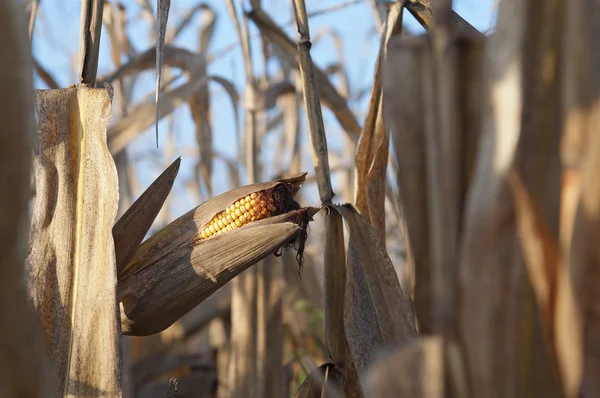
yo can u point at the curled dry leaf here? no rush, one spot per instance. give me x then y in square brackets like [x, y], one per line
[131, 228]
[186, 262]
[377, 314]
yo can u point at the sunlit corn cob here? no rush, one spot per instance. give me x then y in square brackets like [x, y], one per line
[253, 207]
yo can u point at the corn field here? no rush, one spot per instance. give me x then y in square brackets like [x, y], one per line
[203, 201]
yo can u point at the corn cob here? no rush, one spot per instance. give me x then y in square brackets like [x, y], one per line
[253, 207]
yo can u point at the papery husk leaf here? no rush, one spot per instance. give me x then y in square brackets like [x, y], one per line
[71, 266]
[377, 314]
[180, 278]
[187, 227]
[134, 224]
[372, 150]
[323, 382]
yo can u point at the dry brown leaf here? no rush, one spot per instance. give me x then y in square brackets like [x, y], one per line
[372, 150]
[552, 284]
[133, 226]
[422, 11]
[71, 266]
[323, 382]
[498, 321]
[335, 286]
[174, 57]
[139, 118]
[377, 314]
[540, 252]
[162, 16]
[89, 41]
[403, 108]
[580, 63]
[24, 371]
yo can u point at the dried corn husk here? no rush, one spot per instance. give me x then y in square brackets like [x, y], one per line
[133, 226]
[174, 271]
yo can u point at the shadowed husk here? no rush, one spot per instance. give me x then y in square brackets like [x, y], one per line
[174, 271]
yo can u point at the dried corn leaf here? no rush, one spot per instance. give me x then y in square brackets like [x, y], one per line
[422, 11]
[23, 369]
[377, 314]
[133, 226]
[125, 130]
[373, 145]
[335, 286]
[329, 95]
[553, 288]
[174, 57]
[403, 109]
[414, 370]
[323, 382]
[71, 265]
[540, 252]
[162, 11]
[499, 322]
[585, 256]
[177, 280]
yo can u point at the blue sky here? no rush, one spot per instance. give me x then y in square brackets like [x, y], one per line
[56, 40]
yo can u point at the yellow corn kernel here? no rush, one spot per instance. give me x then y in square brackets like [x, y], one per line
[252, 207]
